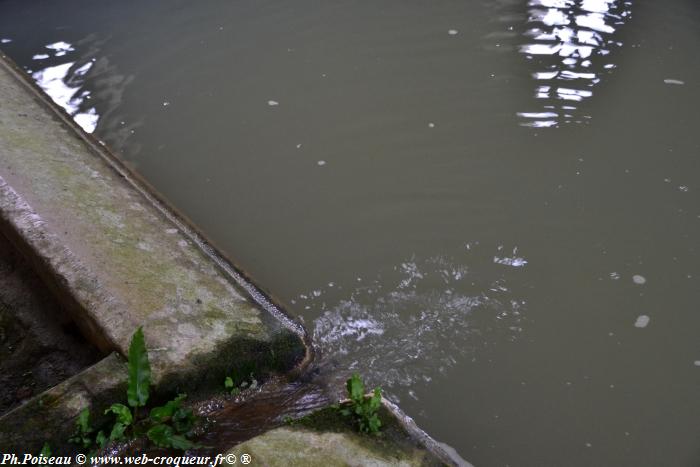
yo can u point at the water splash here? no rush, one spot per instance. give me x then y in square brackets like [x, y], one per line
[413, 323]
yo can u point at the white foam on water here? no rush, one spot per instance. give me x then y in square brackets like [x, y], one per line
[642, 321]
[639, 280]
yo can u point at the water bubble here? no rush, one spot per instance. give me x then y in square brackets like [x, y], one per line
[639, 280]
[683, 188]
[642, 321]
[431, 125]
[452, 32]
[166, 103]
[321, 163]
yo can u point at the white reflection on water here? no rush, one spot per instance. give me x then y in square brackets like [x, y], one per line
[64, 83]
[414, 323]
[566, 36]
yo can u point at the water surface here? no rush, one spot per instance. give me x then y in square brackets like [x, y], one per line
[490, 208]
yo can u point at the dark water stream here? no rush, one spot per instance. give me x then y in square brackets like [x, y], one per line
[490, 208]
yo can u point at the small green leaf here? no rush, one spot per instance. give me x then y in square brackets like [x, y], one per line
[117, 433]
[374, 424]
[376, 401]
[183, 420]
[356, 390]
[139, 371]
[161, 435]
[45, 451]
[228, 383]
[101, 439]
[122, 412]
[163, 413]
[180, 442]
[83, 422]
[235, 391]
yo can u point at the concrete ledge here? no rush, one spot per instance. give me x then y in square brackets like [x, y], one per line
[118, 258]
[50, 416]
[326, 439]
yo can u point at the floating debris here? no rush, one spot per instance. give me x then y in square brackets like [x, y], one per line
[452, 32]
[273, 103]
[674, 81]
[642, 321]
[514, 262]
[321, 163]
[639, 280]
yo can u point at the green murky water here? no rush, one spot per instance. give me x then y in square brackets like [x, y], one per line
[490, 208]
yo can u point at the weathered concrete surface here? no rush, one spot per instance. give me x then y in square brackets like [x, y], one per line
[290, 447]
[118, 258]
[50, 416]
[125, 261]
[326, 438]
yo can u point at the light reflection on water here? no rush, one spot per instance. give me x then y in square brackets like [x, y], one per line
[567, 39]
[65, 83]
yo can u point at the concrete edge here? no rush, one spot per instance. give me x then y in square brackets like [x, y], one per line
[57, 267]
[49, 416]
[445, 453]
[242, 280]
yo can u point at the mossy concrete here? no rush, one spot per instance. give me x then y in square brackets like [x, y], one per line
[325, 438]
[302, 447]
[50, 416]
[118, 257]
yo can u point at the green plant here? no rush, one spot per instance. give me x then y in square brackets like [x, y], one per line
[45, 450]
[167, 426]
[231, 387]
[363, 409]
[139, 372]
[83, 431]
[234, 390]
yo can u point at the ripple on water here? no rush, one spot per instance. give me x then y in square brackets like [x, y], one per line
[419, 328]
